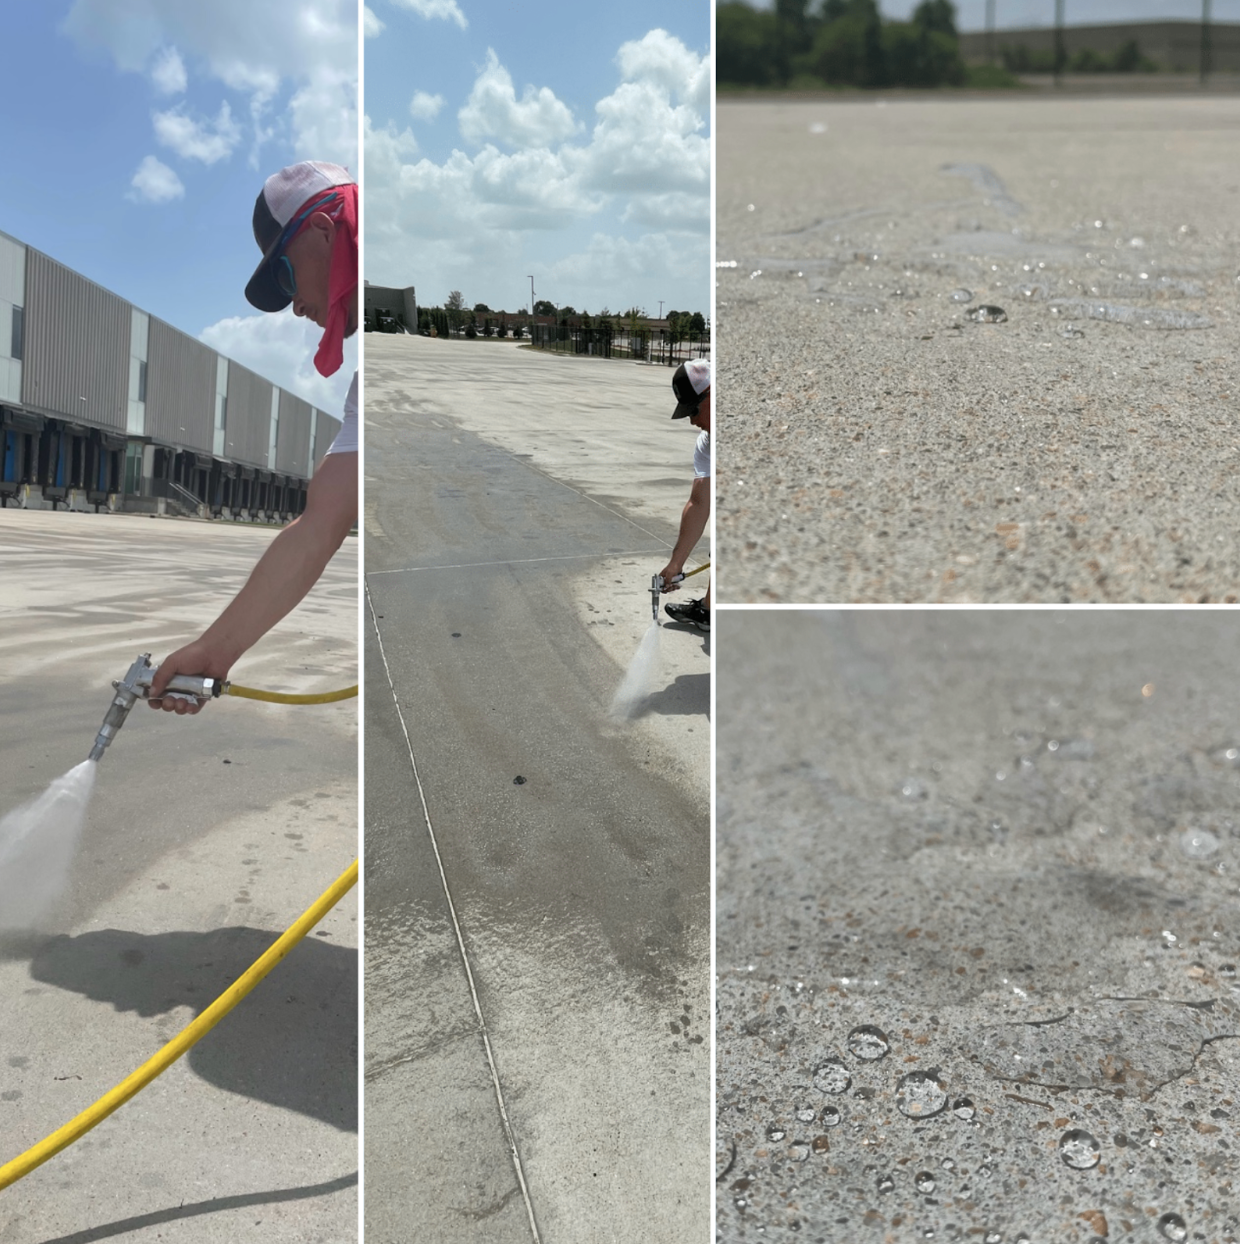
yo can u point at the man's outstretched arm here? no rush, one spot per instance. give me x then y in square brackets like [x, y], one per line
[693, 520]
[284, 574]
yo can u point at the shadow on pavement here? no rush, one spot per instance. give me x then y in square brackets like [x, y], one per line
[291, 1043]
[214, 1206]
[688, 696]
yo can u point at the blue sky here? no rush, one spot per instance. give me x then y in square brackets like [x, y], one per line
[1014, 14]
[570, 142]
[146, 130]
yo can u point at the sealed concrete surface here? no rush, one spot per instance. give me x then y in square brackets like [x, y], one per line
[977, 927]
[537, 901]
[884, 436]
[206, 837]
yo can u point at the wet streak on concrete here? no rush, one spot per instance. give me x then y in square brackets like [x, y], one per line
[970, 831]
[581, 892]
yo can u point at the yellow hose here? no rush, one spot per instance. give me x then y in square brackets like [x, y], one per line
[77, 1127]
[689, 573]
[280, 697]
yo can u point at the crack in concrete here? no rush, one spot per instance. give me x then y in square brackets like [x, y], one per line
[1118, 1045]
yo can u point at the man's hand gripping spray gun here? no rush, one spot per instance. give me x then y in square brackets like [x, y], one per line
[136, 685]
[658, 585]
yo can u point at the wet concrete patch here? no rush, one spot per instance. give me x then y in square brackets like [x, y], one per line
[1039, 951]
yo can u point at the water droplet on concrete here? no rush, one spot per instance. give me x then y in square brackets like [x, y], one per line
[831, 1117]
[868, 1043]
[832, 1076]
[886, 1184]
[1173, 1227]
[821, 1144]
[947, 1164]
[1227, 969]
[805, 1114]
[966, 295]
[518, 780]
[1199, 844]
[994, 1237]
[964, 1109]
[986, 314]
[1071, 332]
[1079, 1149]
[921, 1094]
[923, 1181]
[798, 1151]
[775, 1133]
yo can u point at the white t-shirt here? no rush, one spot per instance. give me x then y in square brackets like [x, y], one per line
[701, 456]
[346, 438]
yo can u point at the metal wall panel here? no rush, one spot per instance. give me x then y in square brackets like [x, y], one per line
[77, 346]
[249, 416]
[293, 442]
[180, 389]
[325, 432]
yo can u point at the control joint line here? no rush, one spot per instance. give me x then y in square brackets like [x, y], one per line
[460, 939]
[526, 561]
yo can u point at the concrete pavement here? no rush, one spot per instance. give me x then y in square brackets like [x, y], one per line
[876, 444]
[537, 903]
[1007, 841]
[205, 838]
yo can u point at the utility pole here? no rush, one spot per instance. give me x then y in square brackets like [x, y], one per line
[531, 295]
[1061, 54]
[660, 308]
[1205, 40]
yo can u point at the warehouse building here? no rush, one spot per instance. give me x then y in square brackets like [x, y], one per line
[103, 406]
[388, 308]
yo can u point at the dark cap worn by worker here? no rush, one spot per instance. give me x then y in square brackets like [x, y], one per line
[287, 201]
[689, 382]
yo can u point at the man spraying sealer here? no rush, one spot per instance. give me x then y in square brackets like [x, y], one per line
[305, 224]
[691, 384]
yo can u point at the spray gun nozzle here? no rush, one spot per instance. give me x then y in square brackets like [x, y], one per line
[136, 685]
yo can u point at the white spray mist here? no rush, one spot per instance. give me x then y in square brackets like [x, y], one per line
[638, 680]
[37, 844]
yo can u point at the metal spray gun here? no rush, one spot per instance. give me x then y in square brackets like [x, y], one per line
[659, 585]
[136, 685]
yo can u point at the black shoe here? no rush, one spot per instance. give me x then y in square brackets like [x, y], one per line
[694, 613]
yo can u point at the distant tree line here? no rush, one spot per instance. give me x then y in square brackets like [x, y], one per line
[802, 44]
[454, 318]
[1127, 58]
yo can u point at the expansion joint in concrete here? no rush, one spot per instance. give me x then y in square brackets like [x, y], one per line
[509, 1134]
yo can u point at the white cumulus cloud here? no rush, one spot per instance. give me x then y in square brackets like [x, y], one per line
[155, 182]
[371, 25]
[168, 72]
[281, 349]
[198, 140]
[537, 119]
[425, 107]
[260, 50]
[433, 9]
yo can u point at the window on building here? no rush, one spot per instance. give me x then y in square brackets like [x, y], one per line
[142, 380]
[18, 316]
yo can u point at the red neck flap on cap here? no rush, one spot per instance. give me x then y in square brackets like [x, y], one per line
[342, 281]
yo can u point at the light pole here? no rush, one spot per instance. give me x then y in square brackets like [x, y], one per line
[1205, 40]
[1061, 53]
[531, 295]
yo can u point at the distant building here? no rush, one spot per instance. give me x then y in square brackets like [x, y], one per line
[1173, 46]
[401, 305]
[104, 406]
